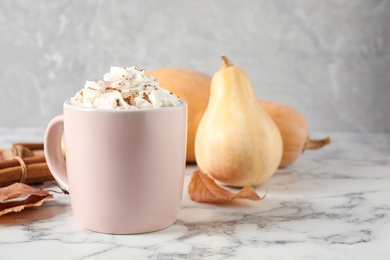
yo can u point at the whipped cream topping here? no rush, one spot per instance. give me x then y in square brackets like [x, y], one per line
[124, 88]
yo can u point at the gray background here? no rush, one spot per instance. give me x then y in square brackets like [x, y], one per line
[329, 59]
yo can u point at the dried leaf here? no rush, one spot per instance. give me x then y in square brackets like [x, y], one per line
[202, 188]
[29, 197]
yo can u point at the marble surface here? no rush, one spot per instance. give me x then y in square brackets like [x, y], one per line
[331, 204]
[329, 60]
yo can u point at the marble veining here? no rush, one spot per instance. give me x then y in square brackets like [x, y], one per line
[331, 204]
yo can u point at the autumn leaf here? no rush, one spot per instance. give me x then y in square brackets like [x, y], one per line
[19, 196]
[202, 188]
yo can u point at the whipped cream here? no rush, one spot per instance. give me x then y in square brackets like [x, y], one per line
[124, 88]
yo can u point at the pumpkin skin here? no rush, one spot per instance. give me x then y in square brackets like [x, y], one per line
[194, 87]
[293, 129]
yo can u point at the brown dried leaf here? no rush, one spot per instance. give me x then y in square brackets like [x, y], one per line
[202, 188]
[32, 197]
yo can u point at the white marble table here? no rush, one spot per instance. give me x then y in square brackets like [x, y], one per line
[331, 204]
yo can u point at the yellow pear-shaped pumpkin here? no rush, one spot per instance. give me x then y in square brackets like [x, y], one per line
[237, 143]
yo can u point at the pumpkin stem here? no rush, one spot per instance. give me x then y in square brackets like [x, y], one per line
[317, 144]
[226, 62]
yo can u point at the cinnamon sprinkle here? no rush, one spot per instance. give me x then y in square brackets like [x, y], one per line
[130, 100]
[112, 89]
[146, 97]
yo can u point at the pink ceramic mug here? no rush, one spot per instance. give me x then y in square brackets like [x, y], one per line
[124, 169]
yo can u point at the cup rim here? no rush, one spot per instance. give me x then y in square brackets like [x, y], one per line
[109, 110]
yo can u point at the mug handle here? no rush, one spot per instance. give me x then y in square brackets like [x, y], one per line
[52, 147]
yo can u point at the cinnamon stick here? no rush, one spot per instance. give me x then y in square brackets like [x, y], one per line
[36, 173]
[34, 169]
[31, 146]
[38, 158]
